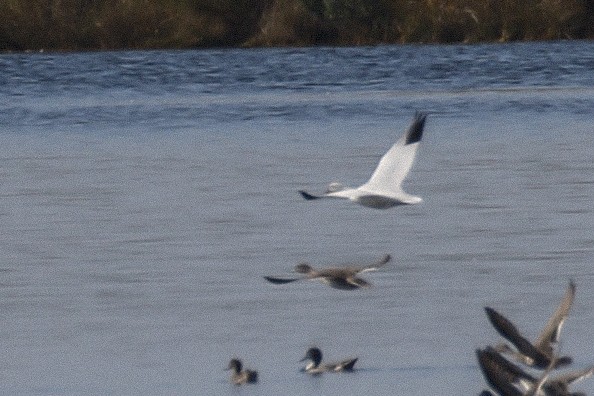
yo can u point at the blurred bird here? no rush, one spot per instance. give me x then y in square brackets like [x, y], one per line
[540, 353]
[507, 379]
[239, 377]
[344, 278]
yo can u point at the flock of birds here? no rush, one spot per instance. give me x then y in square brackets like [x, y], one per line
[343, 278]
[384, 190]
[541, 356]
[315, 366]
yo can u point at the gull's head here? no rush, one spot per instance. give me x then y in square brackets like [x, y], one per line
[303, 268]
[334, 187]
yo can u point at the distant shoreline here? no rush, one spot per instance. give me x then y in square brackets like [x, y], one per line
[83, 25]
[280, 47]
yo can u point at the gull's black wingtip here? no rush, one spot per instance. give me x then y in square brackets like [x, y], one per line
[415, 131]
[307, 195]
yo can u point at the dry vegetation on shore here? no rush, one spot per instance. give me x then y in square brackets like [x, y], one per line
[141, 24]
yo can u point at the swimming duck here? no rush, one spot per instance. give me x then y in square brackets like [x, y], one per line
[383, 190]
[344, 278]
[315, 366]
[239, 377]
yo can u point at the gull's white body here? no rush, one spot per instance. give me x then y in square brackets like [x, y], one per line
[384, 188]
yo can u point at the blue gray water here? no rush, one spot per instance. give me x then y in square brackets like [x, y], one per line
[143, 195]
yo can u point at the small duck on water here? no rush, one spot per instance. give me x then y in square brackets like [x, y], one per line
[315, 366]
[239, 377]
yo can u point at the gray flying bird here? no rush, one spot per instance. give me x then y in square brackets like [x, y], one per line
[344, 278]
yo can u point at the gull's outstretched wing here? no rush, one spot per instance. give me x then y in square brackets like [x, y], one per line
[550, 333]
[396, 163]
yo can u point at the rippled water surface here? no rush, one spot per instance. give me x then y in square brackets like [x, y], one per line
[143, 195]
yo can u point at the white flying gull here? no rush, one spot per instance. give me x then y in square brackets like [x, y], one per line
[383, 190]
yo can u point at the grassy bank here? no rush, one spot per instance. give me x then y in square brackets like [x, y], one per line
[119, 24]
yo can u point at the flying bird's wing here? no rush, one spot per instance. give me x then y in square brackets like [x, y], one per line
[372, 267]
[352, 270]
[574, 376]
[501, 375]
[396, 163]
[509, 331]
[280, 281]
[550, 333]
[358, 282]
[505, 327]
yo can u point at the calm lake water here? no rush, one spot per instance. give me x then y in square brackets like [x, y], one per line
[143, 195]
